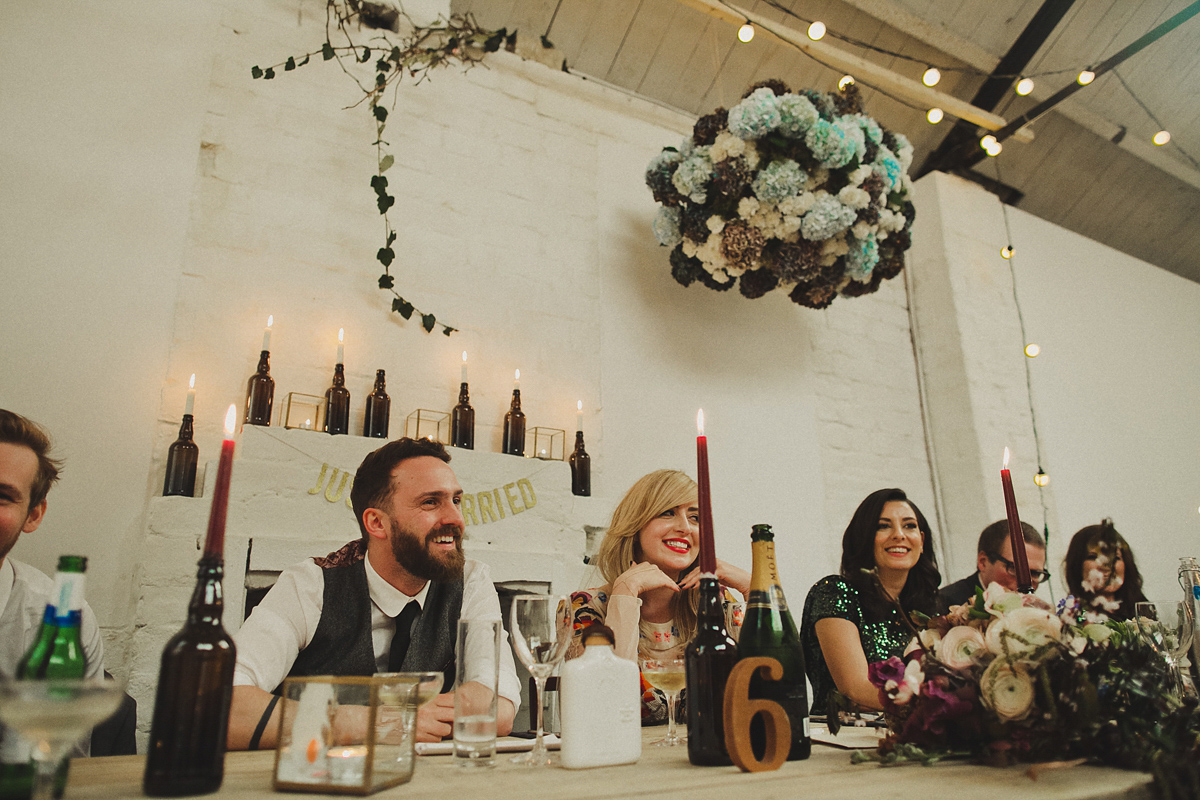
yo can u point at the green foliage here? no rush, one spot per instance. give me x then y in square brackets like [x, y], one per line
[457, 41]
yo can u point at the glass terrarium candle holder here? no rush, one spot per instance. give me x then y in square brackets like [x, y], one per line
[304, 411]
[426, 424]
[346, 734]
[545, 443]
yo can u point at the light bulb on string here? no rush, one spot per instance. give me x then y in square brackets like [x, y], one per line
[1086, 77]
[1007, 252]
[991, 145]
[846, 80]
[1024, 86]
[816, 31]
[934, 115]
[1161, 138]
[746, 32]
[1032, 350]
[1041, 478]
[931, 76]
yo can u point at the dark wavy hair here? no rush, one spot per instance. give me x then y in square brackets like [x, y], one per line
[373, 482]
[920, 591]
[1104, 539]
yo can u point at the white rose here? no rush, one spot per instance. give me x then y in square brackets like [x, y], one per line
[998, 601]
[961, 646]
[1006, 689]
[1022, 631]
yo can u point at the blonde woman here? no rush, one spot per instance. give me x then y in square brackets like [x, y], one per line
[650, 596]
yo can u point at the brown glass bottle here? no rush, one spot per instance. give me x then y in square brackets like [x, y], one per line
[182, 456]
[186, 755]
[768, 630]
[709, 659]
[379, 410]
[514, 427]
[581, 468]
[260, 392]
[337, 404]
[462, 421]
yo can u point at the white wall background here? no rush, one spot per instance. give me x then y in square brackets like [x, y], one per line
[156, 204]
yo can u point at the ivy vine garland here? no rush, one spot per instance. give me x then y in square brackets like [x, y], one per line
[794, 190]
[458, 41]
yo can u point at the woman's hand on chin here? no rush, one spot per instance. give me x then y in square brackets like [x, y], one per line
[734, 577]
[642, 578]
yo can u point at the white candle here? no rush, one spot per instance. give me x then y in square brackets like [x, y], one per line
[191, 395]
[517, 381]
[464, 367]
[341, 346]
[579, 415]
[267, 332]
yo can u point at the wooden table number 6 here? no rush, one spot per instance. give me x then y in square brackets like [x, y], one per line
[740, 709]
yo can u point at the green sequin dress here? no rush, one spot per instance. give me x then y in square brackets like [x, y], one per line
[832, 596]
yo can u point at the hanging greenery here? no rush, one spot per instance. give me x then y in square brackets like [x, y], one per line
[366, 34]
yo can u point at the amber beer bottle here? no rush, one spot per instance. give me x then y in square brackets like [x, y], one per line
[709, 659]
[581, 468]
[462, 421]
[181, 463]
[514, 427]
[337, 404]
[379, 410]
[768, 630]
[260, 392]
[186, 754]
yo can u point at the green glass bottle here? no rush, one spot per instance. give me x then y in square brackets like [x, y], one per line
[768, 630]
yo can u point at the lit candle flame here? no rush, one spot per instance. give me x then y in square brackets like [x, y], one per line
[700, 422]
[1005, 465]
[464, 356]
[270, 320]
[517, 375]
[579, 405]
[192, 382]
[230, 421]
[341, 335]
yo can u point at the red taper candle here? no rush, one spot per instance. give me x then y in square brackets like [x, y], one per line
[1015, 535]
[708, 553]
[214, 540]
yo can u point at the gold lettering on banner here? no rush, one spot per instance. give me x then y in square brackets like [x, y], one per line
[527, 493]
[499, 505]
[320, 480]
[468, 509]
[485, 508]
[509, 488]
[341, 486]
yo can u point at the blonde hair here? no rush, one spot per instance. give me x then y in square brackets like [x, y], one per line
[652, 495]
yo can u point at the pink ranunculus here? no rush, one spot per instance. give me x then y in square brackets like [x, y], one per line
[998, 601]
[961, 646]
[1007, 689]
[1022, 631]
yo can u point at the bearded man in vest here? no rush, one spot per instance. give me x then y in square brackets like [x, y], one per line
[352, 612]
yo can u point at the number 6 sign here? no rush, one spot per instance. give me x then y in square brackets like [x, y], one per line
[740, 709]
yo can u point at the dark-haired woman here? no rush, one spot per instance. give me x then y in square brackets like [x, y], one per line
[1101, 572]
[851, 619]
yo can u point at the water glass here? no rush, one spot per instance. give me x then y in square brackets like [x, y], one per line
[476, 684]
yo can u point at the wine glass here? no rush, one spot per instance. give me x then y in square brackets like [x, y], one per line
[541, 631]
[55, 714]
[1167, 627]
[668, 676]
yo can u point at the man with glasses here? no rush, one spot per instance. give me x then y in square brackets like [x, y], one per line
[995, 563]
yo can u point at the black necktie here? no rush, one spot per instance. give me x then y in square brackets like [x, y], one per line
[404, 623]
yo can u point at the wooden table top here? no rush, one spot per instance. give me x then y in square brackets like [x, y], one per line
[663, 772]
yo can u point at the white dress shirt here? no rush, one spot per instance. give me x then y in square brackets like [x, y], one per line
[284, 623]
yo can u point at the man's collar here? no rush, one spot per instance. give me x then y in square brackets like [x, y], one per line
[391, 601]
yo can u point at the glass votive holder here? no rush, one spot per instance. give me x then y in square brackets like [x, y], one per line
[545, 443]
[346, 734]
[426, 424]
[304, 411]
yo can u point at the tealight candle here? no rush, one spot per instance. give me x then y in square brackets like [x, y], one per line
[191, 395]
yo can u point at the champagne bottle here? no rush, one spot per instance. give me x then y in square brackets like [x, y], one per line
[186, 754]
[462, 421]
[581, 468]
[710, 657]
[181, 463]
[337, 404]
[1189, 579]
[260, 392]
[379, 410]
[768, 630]
[514, 427]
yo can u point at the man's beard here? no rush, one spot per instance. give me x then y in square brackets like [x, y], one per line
[412, 552]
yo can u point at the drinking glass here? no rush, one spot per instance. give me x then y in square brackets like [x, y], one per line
[476, 685]
[541, 631]
[427, 686]
[1167, 627]
[55, 714]
[668, 676]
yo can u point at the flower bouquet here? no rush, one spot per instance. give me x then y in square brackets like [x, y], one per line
[795, 190]
[1008, 678]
